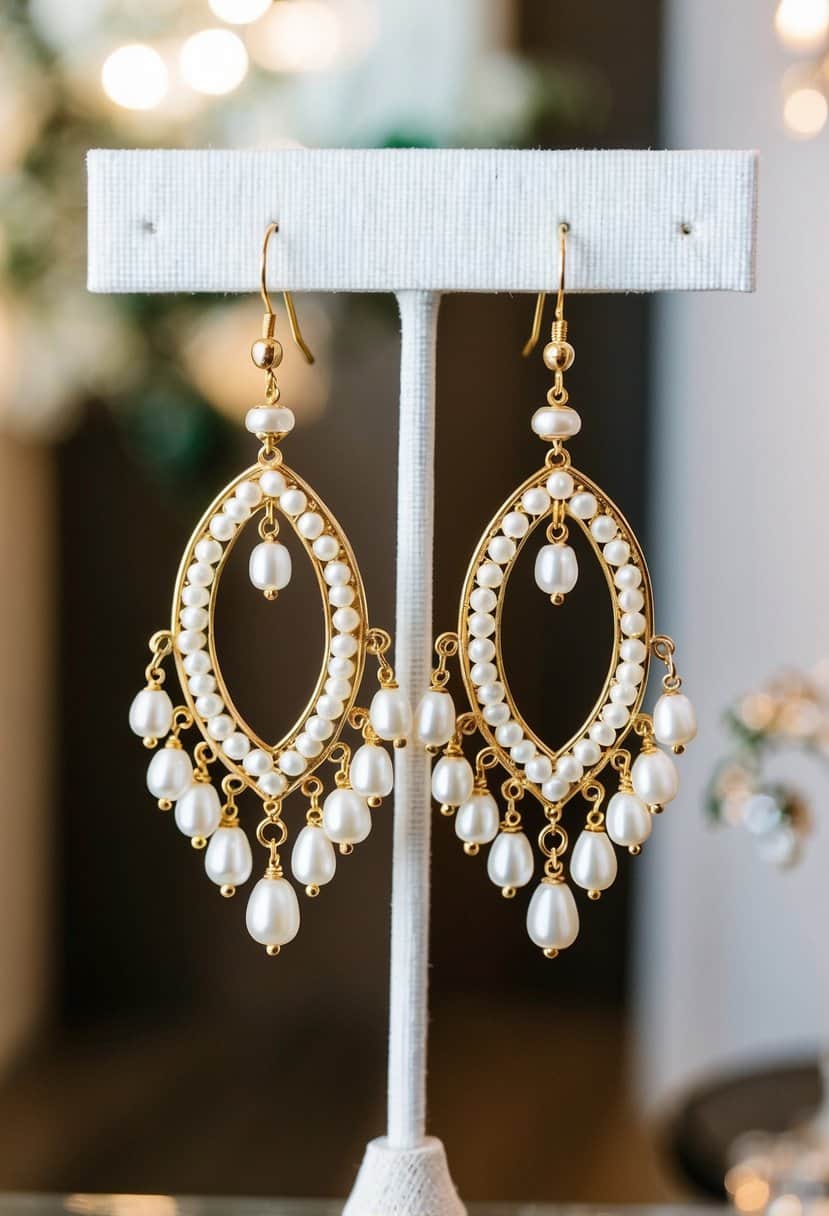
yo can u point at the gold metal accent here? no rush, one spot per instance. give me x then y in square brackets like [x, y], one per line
[471, 848]
[296, 332]
[535, 333]
[272, 951]
[227, 891]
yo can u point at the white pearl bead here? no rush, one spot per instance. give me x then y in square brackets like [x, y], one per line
[627, 576]
[198, 810]
[249, 493]
[587, 752]
[583, 506]
[556, 422]
[273, 483]
[480, 650]
[523, 752]
[345, 620]
[337, 687]
[202, 686]
[258, 762]
[615, 715]
[630, 673]
[560, 485]
[326, 547]
[602, 733]
[593, 865]
[151, 713]
[495, 715]
[272, 915]
[483, 599]
[197, 663]
[270, 566]
[272, 784]
[210, 705]
[343, 646]
[228, 860]
[293, 502]
[603, 529]
[266, 420]
[490, 575]
[291, 763]
[390, 714]
[220, 727]
[483, 673]
[628, 820]
[236, 745]
[477, 819]
[515, 524]
[195, 597]
[189, 640]
[491, 694]
[568, 768]
[623, 694]
[481, 624]
[336, 574]
[200, 574]
[310, 525]
[313, 860]
[674, 720]
[307, 745]
[372, 772]
[633, 651]
[552, 916]
[341, 597]
[193, 618]
[434, 719]
[556, 569]
[555, 789]
[616, 552]
[222, 527]
[169, 774]
[510, 860]
[346, 817]
[633, 624]
[501, 549]
[509, 734]
[535, 500]
[319, 728]
[655, 778]
[237, 511]
[631, 599]
[452, 780]
[539, 769]
[208, 550]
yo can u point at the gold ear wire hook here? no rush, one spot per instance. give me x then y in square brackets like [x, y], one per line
[535, 333]
[269, 318]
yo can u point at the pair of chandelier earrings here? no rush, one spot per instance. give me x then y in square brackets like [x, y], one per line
[341, 783]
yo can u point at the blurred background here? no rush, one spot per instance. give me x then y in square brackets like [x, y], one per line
[145, 1043]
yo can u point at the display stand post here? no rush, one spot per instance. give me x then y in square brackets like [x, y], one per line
[418, 223]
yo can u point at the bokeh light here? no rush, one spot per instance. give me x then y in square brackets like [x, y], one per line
[214, 61]
[802, 24]
[135, 77]
[239, 12]
[298, 36]
[805, 111]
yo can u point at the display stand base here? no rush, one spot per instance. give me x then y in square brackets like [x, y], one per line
[404, 1182]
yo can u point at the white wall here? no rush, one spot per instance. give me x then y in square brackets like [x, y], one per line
[733, 956]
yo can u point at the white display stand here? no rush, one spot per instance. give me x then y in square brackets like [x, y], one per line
[418, 223]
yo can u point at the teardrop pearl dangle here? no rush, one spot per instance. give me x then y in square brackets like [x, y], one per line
[270, 496]
[562, 501]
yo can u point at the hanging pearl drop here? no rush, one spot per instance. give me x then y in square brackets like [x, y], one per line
[510, 861]
[674, 720]
[313, 860]
[655, 778]
[198, 810]
[390, 714]
[552, 916]
[272, 915]
[477, 819]
[556, 569]
[434, 719]
[372, 772]
[151, 713]
[270, 566]
[593, 864]
[169, 773]
[628, 821]
[228, 860]
[346, 817]
[452, 780]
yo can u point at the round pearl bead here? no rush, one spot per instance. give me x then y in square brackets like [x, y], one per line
[336, 574]
[197, 663]
[483, 599]
[169, 773]
[484, 673]
[193, 618]
[273, 483]
[515, 524]
[329, 707]
[249, 493]
[556, 569]
[615, 715]
[341, 597]
[630, 673]
[319, 728]
[208, 550]
[495, 715]
[198, 810]
[568, 768]
[272, 784]
[372, 772]
[616, 552]
[292, 763]
[258, 762]
[631, 599]
[151, 713]
[509, 735]
[326, 547]
[390, 714]
[237, 511]
[270, 421]
[623, 694]
[628, 820]
[477, 819]
[345, 817]
[345, 620]
[674, 720]
[293, 502]
[200, 574]
[220, 727]
[603, 529]
[655, 778]
[556, 422]
[633, 651]
[310, 525]
[552, 916]
[270, 566]
[313, 860]
[343, 646]
[272, 915]
[536, 500]
[627, 576]
[491, 694]
[593, 865]
[510, 860]
[480, 650]
[337, 686]
[501, 549]
[555, 789]
[560, 485]
[481, 624]
[602, 733]
[210, 705]
[307, 746]
[222, 527]
[434, 719]
[189, 640]
[228, 860]
[490, 575]
[583, 506]
[539, 769]
[587, 752]
[633, 624]
[201, 686]
[452, 780]
[523, 752]
[236, 745]
[195, 597]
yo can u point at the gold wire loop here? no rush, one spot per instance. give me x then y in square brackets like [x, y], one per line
[664, 648]
[538, 314]
[161, 645]
[296, 332]
[311, 787]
